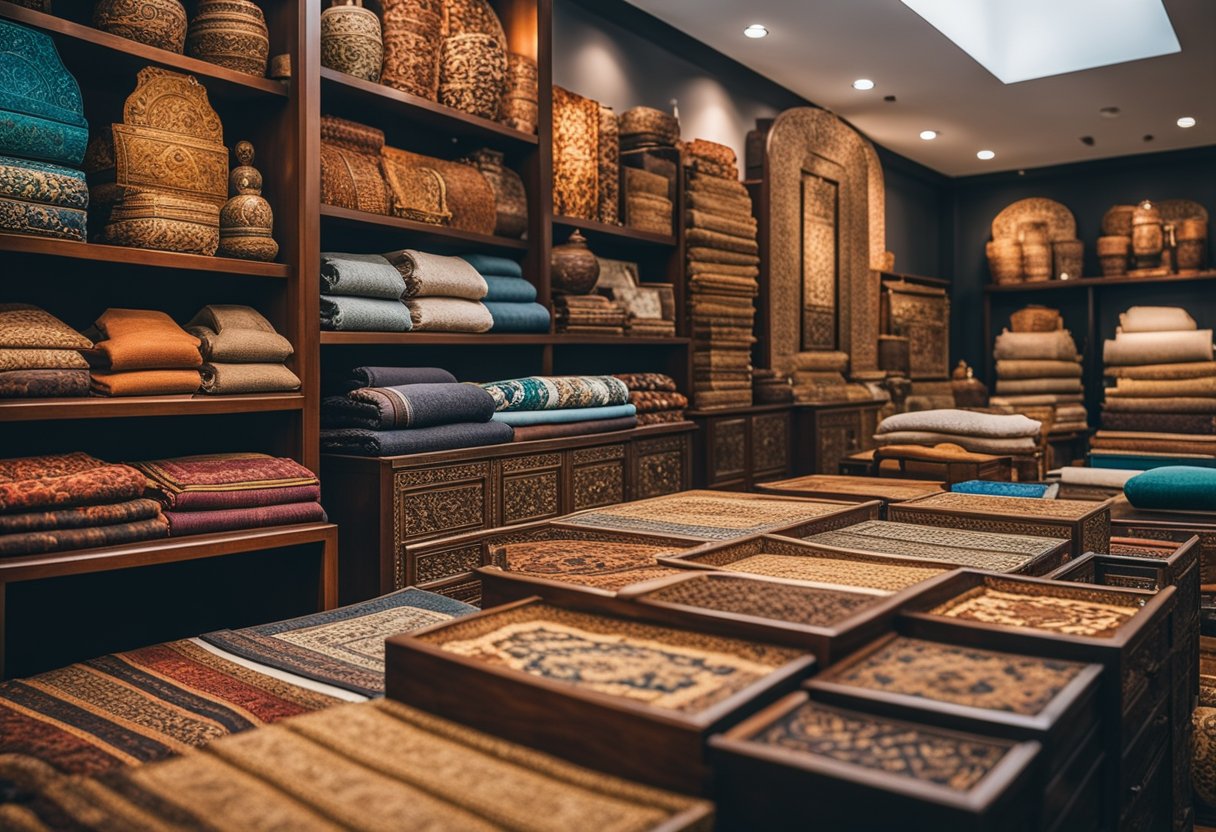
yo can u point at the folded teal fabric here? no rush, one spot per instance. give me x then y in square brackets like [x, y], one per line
[518, 317]
[364, 314]
[520, 418]
[360, 275]
[415, 440]
[556, 392]
[1145, 461]
[1173, 488]
[487, 264]
[509, 289]
[1001, 489]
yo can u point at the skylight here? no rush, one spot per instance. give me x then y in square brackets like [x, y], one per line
[1017, 40]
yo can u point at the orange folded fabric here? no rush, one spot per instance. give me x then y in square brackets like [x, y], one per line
[146, 382]
[143, 339]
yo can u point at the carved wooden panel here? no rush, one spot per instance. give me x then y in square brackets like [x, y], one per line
[599, 484]
[922, 315]
[532, 496]
[467, 591]
[727, 449]
[819, 269]
[661, 466]
[431, 502]
[770, 443]
[837, 435]
[445, 564]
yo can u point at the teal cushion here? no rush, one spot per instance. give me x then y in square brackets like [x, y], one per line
[1173, 488]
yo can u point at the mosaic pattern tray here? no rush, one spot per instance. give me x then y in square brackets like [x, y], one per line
[841, 487]
[1071, 611]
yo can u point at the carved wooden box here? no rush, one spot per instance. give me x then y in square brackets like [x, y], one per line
[739, 447]
[1086, 524]
[800, 765]
[826, 434]
[620, 695]
[1131, 522]
[852, 489]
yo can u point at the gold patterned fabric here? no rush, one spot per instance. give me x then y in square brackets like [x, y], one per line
[576, 124]
[676, 670]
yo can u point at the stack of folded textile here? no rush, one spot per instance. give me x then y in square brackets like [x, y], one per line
[723, 264]
[223, 492]
[392, 411]
[510, 299]
[984, 433]
[40, 355]
[588, 315]
[142, 352]
[442, 294]
[72, 501]
[544, 407]
[242, 353]
[1163, 402]
[362, 293]
[819, 376]
[771, 387]
[648, 204]
[1038, 368]
[655, 396]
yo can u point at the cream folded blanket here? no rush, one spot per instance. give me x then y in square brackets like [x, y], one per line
[1155, 319]
[1036, 399]
[1041, 368]
[1053, 346]
[1161, 372]
[436, 275]
[1177, 404]
[1132, 348]
[1099, 477]
[449, 315]
[975, 444]
[962, 423]
[1021, 386]
[1167, 387]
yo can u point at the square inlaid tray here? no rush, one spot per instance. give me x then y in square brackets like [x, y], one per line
[622, 695]
[800, 764]
[852, 489]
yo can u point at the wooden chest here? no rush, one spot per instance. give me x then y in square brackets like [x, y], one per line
[825, 434]
[886, 490]
[801, 765]
[385, 504]
[736, 448]
[1127, 521]
[1086, 524]
[935, 464]
[621, 695]
[1015, 553]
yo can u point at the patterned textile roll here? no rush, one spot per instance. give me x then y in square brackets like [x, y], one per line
[608, 157]
[575, 151]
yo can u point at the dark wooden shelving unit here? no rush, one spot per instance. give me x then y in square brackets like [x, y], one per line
[1096, 282]
[335, 219]
[21, 410]
[600, 232]
[489, 338]
[140, 257]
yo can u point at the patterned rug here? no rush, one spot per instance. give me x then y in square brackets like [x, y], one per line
[375, 765]
[1077, 612]
[342, 647]
[765, 599]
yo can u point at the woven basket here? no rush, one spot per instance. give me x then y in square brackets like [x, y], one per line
[1033, 233]
[1036, 261]
[608, 158]
[638, 181]
[518, 109]
[718, 154]
[1036, 319]
[1191, 229]
[510, 198]
[469, 196]
[159, 23]
[412, 37]
[472, 74]
[418, 193]
[1061, 225]
[164, 222]
[1191, 254]
[1113, 252]
[1117, 221]
[1005, 261]
[351, 135]
[1067, 259]
[648, 127]
[471, 17]
[576, 127]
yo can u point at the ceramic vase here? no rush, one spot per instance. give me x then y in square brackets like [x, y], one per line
[159, 23]
[246, 220]
[573, 268]
[232, 34]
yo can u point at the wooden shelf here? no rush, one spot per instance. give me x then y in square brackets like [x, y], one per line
[371, 99]
[619, 341]
[108, 58]
[335, 218]
[24, 244]
[468, 339]
[917, 278]
[592, 230]
[1055, 285]
[26, 410]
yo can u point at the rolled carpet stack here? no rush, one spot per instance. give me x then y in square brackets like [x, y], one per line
[225, 492]
[394, 411]
[771, 387]
[442, 294]
[142, 352]
[362, 293]
[40, 355]
[588, 315]
[984, 433]
[1162, 403]
[242, 353]
[543, 407]
[655, 396]
[1038, 369]
[73, 501]
[723, 265]
[819, 376]
[510, 299]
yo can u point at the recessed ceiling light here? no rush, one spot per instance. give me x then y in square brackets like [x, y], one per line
[928, 135]
[756, 31]
[863, 84]
[1109, 112]
[1186, 121]
[986, 155]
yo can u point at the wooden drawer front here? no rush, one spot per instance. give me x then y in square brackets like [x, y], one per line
[444, 564]
[1084, 813]
[1144, 804]
[662, 466]
[727, 450]
[770, 443]
[465, 589]
[1078, 780]
[438, 502]
[597, 476]
[1146, 667]
[1153, 736]
[531, 488]
[1186, 605]
[838, 435]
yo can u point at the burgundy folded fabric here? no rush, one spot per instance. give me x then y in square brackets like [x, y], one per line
[109, 514]
[225, 520]
[529, 433]
[229, 481]
[91, 537]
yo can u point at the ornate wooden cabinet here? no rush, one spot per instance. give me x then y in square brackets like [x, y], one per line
[736, 448]
[824, 434]
[384, 504]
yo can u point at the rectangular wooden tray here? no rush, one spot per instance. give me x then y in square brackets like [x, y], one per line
[659, 746]
[852, 489]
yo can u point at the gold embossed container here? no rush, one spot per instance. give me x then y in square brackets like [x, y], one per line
[1113, 252]
[1005, 261]
[351, 41]
[159, 23]
[1148, 241]
[164, 222]
[1192, 237]
[246, 220]
[230, 33]
[472, 74]
[510, 198]
[412, 33]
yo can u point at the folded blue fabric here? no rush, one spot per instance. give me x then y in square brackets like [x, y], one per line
[349, 314]
[407, 406]
[1173, 488]
[518, 317]
[491, 264]
[360, 275]
[1001, 489]
[508, 289]
[396, 376]
[557, 417]
[360, 442]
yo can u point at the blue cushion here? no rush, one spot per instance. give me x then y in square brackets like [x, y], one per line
[1173, 488]
[1001, 489]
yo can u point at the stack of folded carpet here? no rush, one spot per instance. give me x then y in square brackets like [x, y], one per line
[242, 353]
[72, 501]
[723, 264]
[442, 294]
[544, 407]
[510, 299]
[224, 492]
[771, 387]
[588, 315]
[362, 293]
[819, 376]
[1163, 401]
[392, 411]
[1038, 370]
[648, 205]
[984, 433]
[142, 352]
[655, 396]
[40, 355]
